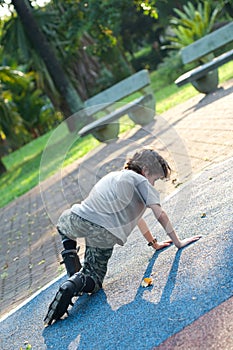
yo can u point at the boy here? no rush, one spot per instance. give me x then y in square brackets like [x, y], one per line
[106, 217]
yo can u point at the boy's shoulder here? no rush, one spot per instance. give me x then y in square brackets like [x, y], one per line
[124, 175]
[130, 174]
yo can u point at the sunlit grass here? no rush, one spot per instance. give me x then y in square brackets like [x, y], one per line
[24, 170]
[170, 96]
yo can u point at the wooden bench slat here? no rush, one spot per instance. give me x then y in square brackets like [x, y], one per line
[141, 110]
[198, 72]
[97, 124]
[207, 44]
[199, 77]
[118, 91]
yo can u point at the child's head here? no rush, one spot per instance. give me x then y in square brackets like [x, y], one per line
[148, 160]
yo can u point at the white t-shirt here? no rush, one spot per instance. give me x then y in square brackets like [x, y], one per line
[117, 202]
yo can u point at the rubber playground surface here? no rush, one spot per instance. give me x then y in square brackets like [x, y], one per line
[187, 283]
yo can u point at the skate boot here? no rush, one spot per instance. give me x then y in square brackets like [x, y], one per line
[71, 261]
[59, 306]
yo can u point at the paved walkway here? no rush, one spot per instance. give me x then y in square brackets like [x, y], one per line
[192, 136]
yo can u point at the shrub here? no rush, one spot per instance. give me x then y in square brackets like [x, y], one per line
[191, 24]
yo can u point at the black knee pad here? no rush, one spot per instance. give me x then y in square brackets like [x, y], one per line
[83, 283]
[79, 282]
[71, 261]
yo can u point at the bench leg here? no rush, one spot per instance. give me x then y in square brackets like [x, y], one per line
[145, 113]
[107, 132]
[208, 83]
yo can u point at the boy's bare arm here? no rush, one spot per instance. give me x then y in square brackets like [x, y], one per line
[142, 225]
[163, 219]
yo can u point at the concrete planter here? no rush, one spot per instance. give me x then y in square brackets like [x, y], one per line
[145, 113]
[107, 133]
[208, 83]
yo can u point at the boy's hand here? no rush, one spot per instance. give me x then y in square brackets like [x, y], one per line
[161, 245]
[183, 242]
[189, 240]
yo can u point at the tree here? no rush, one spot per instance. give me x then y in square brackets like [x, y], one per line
[70, 100]
[12, 131]
[88, 38]
[5, 119]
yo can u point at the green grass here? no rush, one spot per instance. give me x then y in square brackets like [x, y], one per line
[25, 168]
[170, 96]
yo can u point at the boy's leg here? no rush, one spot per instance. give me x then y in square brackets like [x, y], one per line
[96, 263]
[72, 287]
[70, 256]
[88, 280]
[65, 228]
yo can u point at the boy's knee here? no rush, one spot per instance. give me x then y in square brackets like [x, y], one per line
[63, 237]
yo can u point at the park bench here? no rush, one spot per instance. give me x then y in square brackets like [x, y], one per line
[107, 106]
[205, 77]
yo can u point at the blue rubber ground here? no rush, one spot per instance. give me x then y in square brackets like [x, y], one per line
[187, 282]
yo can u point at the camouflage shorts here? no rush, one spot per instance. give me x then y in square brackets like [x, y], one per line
[95, 264]
[99, 244]
[73, 226]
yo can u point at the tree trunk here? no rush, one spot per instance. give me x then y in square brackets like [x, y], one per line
[2, 168]
[71, 101]
[2, 153]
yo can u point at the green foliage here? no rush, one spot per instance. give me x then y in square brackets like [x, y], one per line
[15, 41]
[26, 104]
[192, 23]
[147, 58]
[167, 71]
[11, 123]
[115, 32]
[12, 131]
[63, 23]
[148, 7]
[17, 46]
[227, 8]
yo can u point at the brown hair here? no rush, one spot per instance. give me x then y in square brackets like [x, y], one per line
[150, 160]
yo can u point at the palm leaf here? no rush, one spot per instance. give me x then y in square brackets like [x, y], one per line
[192, 23]
[12, 77]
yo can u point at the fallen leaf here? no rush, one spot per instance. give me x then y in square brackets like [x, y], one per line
[148, 281]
